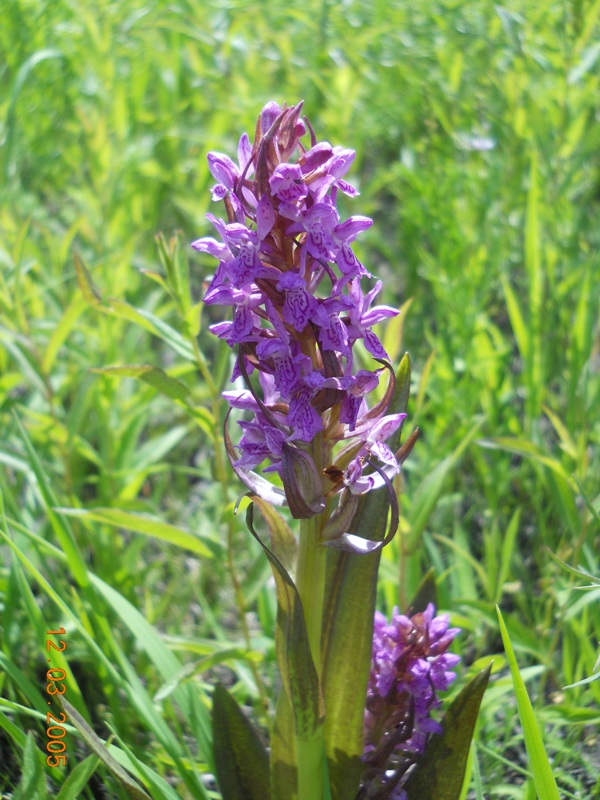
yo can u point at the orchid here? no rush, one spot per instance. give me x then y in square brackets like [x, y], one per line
[307, 364]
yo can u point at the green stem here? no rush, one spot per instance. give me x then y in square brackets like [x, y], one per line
[310, 581]
[310, 767]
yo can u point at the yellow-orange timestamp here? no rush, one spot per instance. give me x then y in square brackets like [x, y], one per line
[55, 732]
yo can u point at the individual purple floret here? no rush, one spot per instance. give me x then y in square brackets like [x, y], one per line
[287, 271]
[410, 665]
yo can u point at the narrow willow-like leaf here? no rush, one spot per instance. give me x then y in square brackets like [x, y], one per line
[167, 664]
[15, 733]
[527, 449]
[97, 746]
[516, 319]
[153, 324]
[349, 609]
[62, 331]
[198, 667]
[142, 524]
[241, 760]
[298, 672]
[25, 70]
[176, 267]
[507, 552]
[153, 376]
[430, 489]
[588, 503]
[87, 286]
[540, 765]
[190, 701]
[441, 772]
[63, 531]
[584, 681]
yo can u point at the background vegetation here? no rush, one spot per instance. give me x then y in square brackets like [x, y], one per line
[476, 128]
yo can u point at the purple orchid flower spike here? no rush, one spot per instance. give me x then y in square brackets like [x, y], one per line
[410, 665]
[287, 270]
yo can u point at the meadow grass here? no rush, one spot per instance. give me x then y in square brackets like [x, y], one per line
[476, 134]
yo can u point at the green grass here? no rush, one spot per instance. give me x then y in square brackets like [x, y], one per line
[107, 112]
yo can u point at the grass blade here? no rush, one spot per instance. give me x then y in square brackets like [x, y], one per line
[78, 779]
[540, 765]
[95, 743]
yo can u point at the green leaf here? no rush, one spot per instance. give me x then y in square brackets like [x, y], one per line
[142, 524]
[153, 376]
[198, 667]
[155, 325]
[177, 269]
[87, 286]
[578, 572]
[15, 733]
[587, 500]
[284, 757]
[584, 681]
[349, 610]
[97, 746]
[78, 779]
[32, 785]
[63, 532]
[426, 593]
[19, 82]
[283, 542]
[298, 671]
[241, 760]
[528, 449]
[441, 772]
[508, 549]
[427, 494]
[393, 333]
[61, 332]
[540, 765]
[350, 593]
[160, 789]
[188, 698]
[399, 402]
[517, 321]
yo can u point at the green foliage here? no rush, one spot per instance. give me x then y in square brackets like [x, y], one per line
[349, 608]
[241, 759]
[98, 747]
[441, 773]
[477, 155]
[541, 767]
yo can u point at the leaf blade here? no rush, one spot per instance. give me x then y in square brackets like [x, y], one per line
[241, 761]
[142, 524]
[540, 766]
[440, 773]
